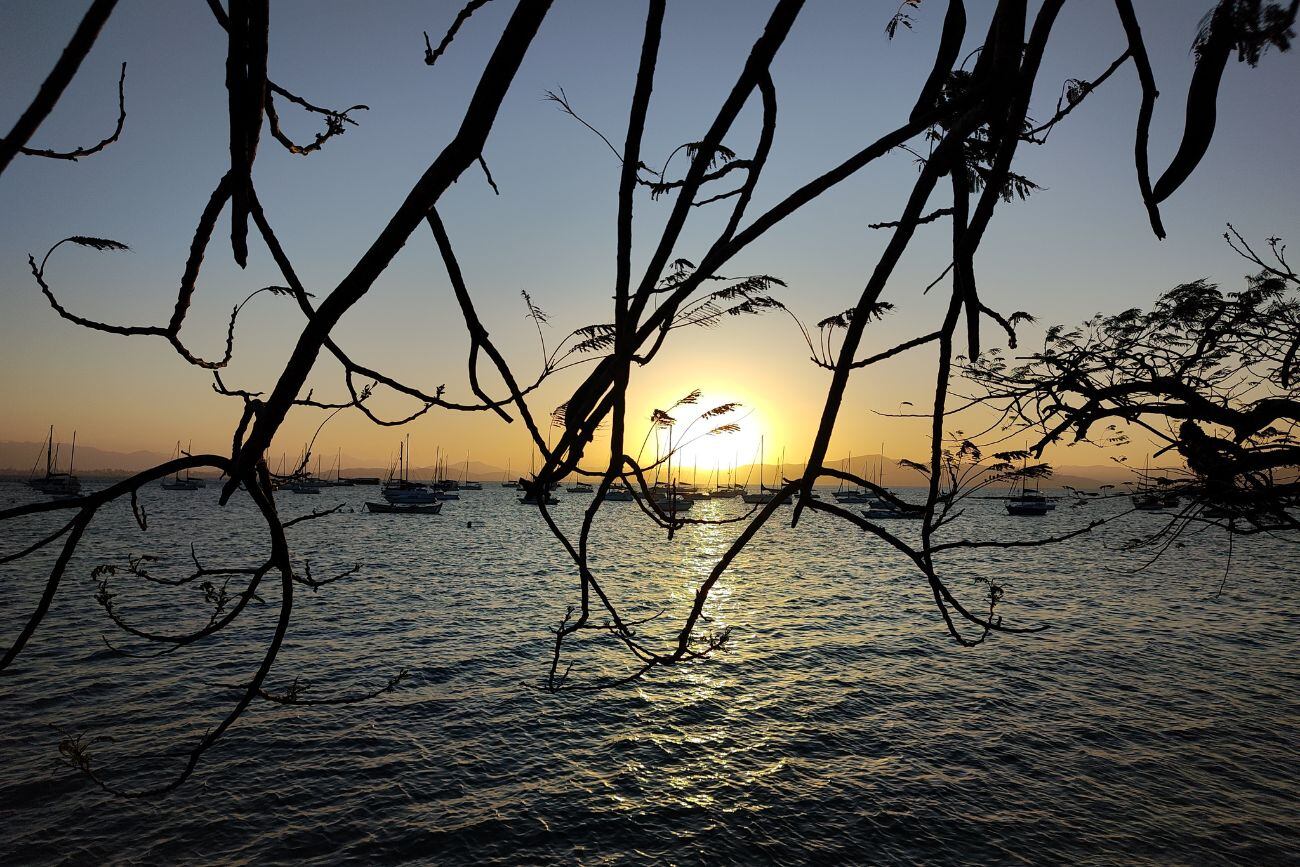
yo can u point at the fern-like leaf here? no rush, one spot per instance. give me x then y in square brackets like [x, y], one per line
[97, 243]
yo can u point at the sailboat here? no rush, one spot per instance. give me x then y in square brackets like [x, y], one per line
[731, 490]
[670, 496]
[465, 483]
[1148, 499]
[879, 508]
[1027, 504]
[531, 489]
[693, 491]
[856, 496]
[176, 483]
[399, 489]
[525, 488]
[765, 494]
[619, 493]
[404, 496]
[339, 481]
[305, 482]
[54, 482]
[442, 483]
[506, 481]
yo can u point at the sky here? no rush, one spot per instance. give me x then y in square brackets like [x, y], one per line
[1080, 246]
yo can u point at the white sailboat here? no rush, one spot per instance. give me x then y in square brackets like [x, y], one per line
[399, 489]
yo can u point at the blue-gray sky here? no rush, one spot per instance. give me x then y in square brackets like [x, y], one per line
[1080, 246]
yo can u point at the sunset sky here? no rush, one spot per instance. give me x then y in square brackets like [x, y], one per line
[1079, 246]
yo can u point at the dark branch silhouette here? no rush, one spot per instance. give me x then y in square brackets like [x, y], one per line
[970, 117]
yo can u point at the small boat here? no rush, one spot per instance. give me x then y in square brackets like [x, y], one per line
[1028, 505]
[531, 500]
[1148, 502]
[404, 508]
[55, 483]
[176, 483]
[359, 480]
[765, 496]
[622, 494]
[882, 510]
[581, 488]
[412, 494]
[1147, 498]
[673, 504]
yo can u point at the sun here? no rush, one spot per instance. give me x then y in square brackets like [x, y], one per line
[711, 435]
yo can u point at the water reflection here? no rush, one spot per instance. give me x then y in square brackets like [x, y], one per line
[838, 724]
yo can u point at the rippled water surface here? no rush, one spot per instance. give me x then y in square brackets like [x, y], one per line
[1153, 723]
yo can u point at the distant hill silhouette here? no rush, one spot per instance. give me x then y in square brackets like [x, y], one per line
[17, 459]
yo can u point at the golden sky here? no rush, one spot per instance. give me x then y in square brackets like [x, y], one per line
[1080, 246]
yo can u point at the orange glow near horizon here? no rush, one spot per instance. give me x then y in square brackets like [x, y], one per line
[697, 449]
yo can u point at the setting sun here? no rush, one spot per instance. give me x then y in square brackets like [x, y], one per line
[707, 437]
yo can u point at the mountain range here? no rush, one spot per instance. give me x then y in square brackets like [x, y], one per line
[20, 459]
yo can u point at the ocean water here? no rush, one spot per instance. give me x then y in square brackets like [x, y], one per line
[1155, 722]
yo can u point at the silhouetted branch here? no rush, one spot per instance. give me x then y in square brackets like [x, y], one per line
[60, 76]
[77, 153]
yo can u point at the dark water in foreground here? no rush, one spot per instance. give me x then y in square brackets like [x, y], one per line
[1153, 724]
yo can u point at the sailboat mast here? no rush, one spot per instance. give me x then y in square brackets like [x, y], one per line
[72, 459]
[670, 454]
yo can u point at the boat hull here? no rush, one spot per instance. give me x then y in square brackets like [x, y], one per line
[882, 514]
[404, 508]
